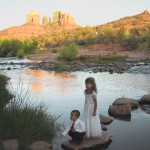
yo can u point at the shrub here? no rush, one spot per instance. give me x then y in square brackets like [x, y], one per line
[143, 47]
[54, 50]
[5, 95]
[99, 59]
[60, 66]
[20, 54]
[27, 122]
[69, 52]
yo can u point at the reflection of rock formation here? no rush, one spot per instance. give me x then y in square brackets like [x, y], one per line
[33, 17]
[42, 81]
[63, 19]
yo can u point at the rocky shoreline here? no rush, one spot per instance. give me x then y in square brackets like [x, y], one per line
[89, 67]
[111, 67]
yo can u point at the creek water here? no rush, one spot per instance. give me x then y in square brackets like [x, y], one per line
[63, 92]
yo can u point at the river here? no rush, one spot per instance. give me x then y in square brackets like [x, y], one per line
[63, 92]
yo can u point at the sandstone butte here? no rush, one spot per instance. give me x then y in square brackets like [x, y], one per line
[62, 20]
[33, 27]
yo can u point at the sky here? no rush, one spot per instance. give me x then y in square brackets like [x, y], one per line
[85, 12]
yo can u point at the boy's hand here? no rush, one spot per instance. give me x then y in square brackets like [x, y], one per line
[94, 113]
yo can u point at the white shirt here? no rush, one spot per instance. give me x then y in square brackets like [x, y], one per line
[79, 126]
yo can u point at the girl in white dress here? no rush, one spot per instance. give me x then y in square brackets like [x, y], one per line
[90, 114]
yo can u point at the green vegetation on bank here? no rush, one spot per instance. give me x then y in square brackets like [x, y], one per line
[131, 39]
[22, 120]
[13, 47]
[68, 53]
[102, 59]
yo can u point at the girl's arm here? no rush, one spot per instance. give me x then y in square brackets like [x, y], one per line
[95, 105]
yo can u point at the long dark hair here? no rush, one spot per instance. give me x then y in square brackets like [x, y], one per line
[91, 80]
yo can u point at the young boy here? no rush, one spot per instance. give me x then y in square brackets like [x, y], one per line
[76, 128]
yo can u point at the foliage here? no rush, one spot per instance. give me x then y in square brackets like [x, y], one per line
[143, 47]
[25, 121]
[54, 50]
[20, 53]
[100, 58]
[13, 47]
[69, 52]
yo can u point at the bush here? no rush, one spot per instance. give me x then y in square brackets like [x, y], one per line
[54, 50]
[143, 47]
[26, 122]
[20, 54]
[69, 52]
[100, 59]
[13, 47]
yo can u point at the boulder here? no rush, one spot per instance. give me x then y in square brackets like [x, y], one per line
[145, 99]
[88, 143]
[105, 120]
[126, 101]
[11, 144]
[120, 110]
[40, 145]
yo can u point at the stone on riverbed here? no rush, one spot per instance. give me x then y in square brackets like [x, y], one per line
[145, 99]
[88, 143]
[40, 145]
[126, 101]
[104, 128]
[105, 120]
[120, 110]
[11, 144]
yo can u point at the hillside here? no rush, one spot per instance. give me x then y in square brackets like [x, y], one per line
[137, 21]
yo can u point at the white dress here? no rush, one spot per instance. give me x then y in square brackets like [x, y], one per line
[92, 123]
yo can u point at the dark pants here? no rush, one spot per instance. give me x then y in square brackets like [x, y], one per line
[76, 136]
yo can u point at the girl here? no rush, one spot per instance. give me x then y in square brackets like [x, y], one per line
[90, 115]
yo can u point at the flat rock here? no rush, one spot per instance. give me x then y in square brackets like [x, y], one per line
[88, 143]
[40, 145]
[120, 110]
[126, 101]
[104, 128]
[11, 144]
[105, 119]
[145, 99]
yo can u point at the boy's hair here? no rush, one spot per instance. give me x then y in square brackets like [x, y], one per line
[91, 80]
[76, 112]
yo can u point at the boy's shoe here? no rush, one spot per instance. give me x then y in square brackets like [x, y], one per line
[79, 142]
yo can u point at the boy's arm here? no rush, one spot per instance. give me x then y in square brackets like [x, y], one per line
[67, 130]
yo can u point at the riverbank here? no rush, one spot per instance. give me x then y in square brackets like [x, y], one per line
[94, 50]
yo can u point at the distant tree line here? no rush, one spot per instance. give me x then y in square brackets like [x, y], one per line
[133, 39]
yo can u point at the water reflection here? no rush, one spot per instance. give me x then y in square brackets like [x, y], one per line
[43, 81]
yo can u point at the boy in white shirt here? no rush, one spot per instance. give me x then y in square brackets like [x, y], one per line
[76, 128]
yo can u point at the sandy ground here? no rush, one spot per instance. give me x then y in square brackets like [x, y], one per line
[133, 56]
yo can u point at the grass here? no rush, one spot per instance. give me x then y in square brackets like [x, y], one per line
[101, 59]
[20, 119]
